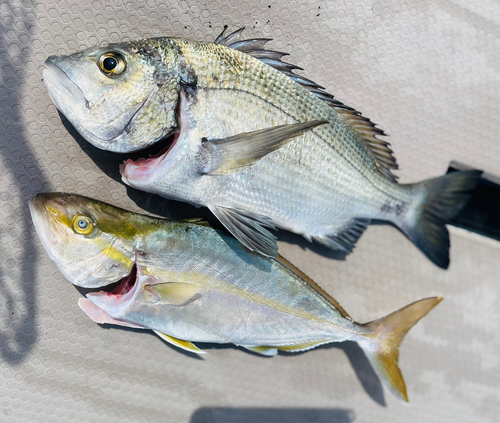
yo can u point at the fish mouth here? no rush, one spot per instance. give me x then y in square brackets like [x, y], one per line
[142, 169]
[141, 172]
[58, 82]
[101, 316]
[118, 297]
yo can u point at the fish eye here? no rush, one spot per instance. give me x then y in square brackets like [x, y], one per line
[82, 224]
[112, 63]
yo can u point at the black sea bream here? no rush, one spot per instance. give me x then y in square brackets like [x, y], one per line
[253, 141]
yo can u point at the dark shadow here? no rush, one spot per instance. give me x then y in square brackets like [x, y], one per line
[18, 302]
[360, 364]
[364, 370]
[272, 415]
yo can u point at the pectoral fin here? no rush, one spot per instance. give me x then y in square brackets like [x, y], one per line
[249, 229]
[185, 345]
[174, 293]
[236, 153]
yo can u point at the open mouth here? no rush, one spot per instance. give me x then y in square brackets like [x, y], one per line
[101, 306]
[126, 284]
[142, 167]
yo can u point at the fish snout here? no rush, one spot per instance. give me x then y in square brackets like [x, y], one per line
[59, 84]
[41, 221]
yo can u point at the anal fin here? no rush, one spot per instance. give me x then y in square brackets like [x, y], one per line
[345, 239]
[271, 351]
[304, 346]
[248, 228]
[185, 345]
[262, 350]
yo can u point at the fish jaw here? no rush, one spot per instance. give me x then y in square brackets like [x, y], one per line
[101, 317]
[115, 302]
[60, 86]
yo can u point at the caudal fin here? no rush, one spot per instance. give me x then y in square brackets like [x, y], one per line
[445, 197]
[383, 349]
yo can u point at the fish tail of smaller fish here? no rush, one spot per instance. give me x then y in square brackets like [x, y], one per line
[382, 347]
[444, 198]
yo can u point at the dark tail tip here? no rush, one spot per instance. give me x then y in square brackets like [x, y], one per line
[446, 197]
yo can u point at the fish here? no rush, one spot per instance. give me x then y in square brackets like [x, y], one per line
[191, 283]
[259, 145]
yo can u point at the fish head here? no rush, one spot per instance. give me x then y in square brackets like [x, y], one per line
[111, 94]
[92, 243]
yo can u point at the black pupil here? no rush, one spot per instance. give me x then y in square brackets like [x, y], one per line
[82, 224]
[109, 63]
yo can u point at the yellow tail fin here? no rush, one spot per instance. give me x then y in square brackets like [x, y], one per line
[383, 349]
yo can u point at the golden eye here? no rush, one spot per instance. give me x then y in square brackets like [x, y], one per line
[82, 224]
[112, 63]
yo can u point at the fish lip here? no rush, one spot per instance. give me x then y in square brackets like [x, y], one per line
[56, 77]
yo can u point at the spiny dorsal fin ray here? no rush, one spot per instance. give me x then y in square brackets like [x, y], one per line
[366, 130]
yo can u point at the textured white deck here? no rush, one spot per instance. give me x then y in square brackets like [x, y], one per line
[428, 74]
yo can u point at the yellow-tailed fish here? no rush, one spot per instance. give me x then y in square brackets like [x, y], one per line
[259, 145]
[191, 283]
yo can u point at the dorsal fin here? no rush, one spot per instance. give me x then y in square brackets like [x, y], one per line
[300, 273]
[362, 126]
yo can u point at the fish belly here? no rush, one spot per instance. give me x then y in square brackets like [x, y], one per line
[228, 318]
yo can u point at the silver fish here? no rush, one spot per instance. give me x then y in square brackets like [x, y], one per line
[192, 283]
[259, 145]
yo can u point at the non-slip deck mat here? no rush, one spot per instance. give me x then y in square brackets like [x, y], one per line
[427, 72]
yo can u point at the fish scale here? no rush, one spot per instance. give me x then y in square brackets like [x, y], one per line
[259, 145]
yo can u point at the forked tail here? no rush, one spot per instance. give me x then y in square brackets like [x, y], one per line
[444, 198]
[382, 348]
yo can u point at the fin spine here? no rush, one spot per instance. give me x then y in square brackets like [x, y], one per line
[366, 130]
